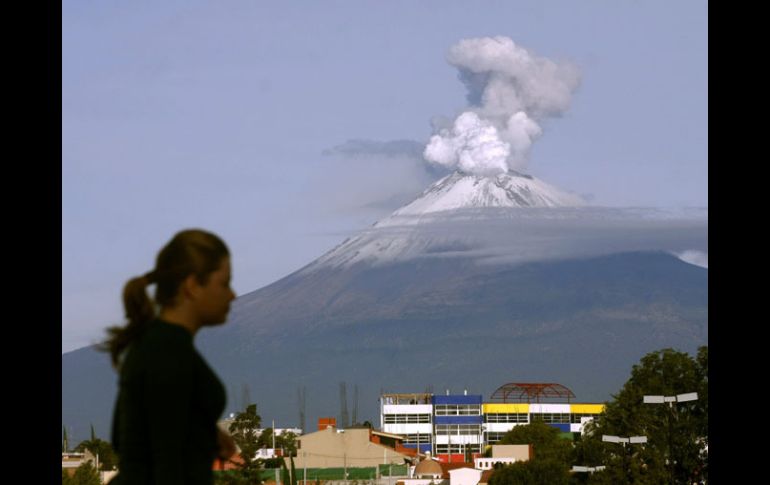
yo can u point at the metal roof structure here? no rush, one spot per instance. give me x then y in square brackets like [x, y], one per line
[530, 392]
[407, 398]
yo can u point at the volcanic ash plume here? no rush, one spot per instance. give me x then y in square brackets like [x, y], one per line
[509, 91]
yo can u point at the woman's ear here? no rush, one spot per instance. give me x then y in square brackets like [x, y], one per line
[190, 287]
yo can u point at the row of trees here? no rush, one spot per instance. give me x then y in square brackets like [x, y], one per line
[676, 451]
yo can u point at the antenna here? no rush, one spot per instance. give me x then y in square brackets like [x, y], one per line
[301, 404]
[343, 406]
[355, 403]
[245, 396]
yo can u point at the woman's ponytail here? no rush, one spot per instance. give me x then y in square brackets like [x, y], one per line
[140, 310]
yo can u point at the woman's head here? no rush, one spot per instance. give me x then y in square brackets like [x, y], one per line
[194, 263]
[191, 252]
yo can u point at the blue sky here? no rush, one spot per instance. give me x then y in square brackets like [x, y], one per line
[238, 117]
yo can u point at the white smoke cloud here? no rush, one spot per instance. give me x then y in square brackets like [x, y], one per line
[472, 145]
[509, 90]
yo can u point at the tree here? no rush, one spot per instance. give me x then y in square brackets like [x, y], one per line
[107, 457]
[85, 474]
[551, 458]
[535, 472]
[265, 439]
[288, 475]
[677, 435]
[287, 441]
[244, 432]
[545, 441]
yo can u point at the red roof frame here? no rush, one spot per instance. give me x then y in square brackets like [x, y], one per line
[529, 391]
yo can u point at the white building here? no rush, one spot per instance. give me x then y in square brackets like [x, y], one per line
[464, 476]
[409, 415]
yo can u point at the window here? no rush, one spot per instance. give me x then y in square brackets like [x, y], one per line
[575, 418]
[493, 437]
[458, 429]
[411, 439]
[457, 449]
[551, 418]
[458, 409]
[406, 418]
[506, 418]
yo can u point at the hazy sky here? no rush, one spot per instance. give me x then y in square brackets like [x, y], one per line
[287, 126]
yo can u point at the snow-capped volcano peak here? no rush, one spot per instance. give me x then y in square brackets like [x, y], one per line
[512, 189]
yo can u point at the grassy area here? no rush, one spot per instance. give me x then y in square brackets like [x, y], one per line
[364, 473]
[324, 474]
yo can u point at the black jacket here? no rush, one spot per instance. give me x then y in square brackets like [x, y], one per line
[169, 400]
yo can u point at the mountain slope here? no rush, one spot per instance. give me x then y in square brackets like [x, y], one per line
[404, 327]
[471, 297]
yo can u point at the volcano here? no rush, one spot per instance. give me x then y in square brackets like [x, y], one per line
[478, 282]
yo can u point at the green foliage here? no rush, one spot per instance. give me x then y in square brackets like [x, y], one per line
[545, 440]
[65, 477]
[284, 474]
[551, 458]
[293, 472]
[546, 471]
[243, 429]
[681, 428]
[288, 475]
[272, 462]
[85, 474]
[233, 477]
[103, 449]
[286, 441]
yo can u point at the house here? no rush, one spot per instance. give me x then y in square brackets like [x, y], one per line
[336, 448]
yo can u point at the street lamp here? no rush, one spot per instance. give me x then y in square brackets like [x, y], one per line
[689, 396]
[624, 441]
[588, 469]
[618, 439]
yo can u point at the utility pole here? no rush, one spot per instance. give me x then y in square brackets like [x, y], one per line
[625, 457]
[670, 400]
[277, 481]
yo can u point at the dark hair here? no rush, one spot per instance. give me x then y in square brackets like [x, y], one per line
[190, 252]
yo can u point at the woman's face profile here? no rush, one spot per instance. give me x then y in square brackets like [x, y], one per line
[214, 297]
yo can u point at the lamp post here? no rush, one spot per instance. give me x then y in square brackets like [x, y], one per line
[624, 441]
[686, 397]
[587, 469]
